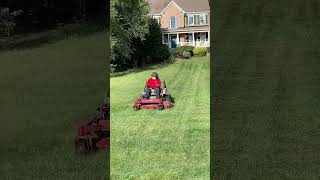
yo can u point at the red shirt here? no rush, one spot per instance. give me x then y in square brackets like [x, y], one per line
[153, 83]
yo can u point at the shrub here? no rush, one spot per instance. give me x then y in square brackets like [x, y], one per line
[162, 52]
[170, 60]
[200, 51]
[181, 49]
[186, 54]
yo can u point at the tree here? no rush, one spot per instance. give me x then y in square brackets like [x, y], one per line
[7, 20]
[151, 49]
[129, 20]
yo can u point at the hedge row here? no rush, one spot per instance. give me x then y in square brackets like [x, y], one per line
[189, 51]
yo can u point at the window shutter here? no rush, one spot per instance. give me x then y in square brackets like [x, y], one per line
[207, 22]
[197, 19]
[177, 25]
[186, 21]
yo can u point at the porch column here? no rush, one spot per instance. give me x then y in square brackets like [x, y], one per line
[193, 40]
[169, 41]
[209, 38]
[162, 38]
[178, 39]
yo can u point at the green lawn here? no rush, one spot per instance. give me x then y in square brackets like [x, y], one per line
[266, 90]
[169, 144]
[42, 93]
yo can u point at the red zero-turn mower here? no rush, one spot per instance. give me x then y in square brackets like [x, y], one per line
[165, 102]
[95, 133]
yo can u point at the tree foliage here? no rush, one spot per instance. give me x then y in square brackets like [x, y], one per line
[151, 50]
[7, 20]
[136, 38]
[128, 21]
[41, 15]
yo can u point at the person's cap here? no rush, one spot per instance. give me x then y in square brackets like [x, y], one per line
[154, 74]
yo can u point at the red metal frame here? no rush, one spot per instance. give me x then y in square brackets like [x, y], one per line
[152, 103]
[95, 134]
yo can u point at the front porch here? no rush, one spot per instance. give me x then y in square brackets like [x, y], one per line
[196, 39]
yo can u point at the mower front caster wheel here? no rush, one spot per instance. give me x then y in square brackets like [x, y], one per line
[81, 147]
[160, 107]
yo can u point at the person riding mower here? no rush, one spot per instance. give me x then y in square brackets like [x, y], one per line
[155, 95]
[153, 86]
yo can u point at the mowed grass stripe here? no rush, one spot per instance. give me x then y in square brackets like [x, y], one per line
[169, 144]
[267, 91]
[44, 91]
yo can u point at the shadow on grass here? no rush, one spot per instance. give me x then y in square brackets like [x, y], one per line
[26, 41]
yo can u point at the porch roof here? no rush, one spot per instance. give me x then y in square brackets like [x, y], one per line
[189, 29]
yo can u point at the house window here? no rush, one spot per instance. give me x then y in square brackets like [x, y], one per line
[191, 20]
[203, 19]
[173, 23]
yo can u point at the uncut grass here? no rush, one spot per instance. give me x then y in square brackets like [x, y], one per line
[168, 144]
[43, 92]
[266, 90]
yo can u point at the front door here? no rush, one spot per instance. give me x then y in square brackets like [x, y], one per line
[173, 41]
[190, 38]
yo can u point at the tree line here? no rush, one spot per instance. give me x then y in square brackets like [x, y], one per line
[136, 39]
[19, 16]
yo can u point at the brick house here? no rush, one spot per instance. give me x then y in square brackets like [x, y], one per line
[183, 22]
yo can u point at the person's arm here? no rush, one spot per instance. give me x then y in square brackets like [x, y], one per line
[159, 84]
[147, 84]
[163, 84]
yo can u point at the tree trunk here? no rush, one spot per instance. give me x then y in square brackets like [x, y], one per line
[135, 62]
[143, 62]
[8, 31]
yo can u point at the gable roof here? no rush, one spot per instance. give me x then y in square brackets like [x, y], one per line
[157, 6]
[172, 2]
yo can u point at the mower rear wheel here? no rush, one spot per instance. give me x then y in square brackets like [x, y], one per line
[172, 99]
[168, 98]
[81, 147]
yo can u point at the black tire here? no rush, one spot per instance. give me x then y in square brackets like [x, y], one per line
[136, 108]
[168, 98]
[160, 107]
[81, 147]
[94, 148]
[172, 99]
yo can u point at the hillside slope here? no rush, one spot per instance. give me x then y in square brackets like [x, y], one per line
[168, 144]
[266, 90]
[43, 91]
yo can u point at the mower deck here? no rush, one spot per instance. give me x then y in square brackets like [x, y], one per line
[95, 134]
[152, 103]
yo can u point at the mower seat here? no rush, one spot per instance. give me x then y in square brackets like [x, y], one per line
[153, 97]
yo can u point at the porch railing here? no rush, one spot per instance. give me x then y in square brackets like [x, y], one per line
[198, 43]
[190, 43]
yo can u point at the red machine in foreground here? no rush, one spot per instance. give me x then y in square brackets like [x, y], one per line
[165, 102]
[95, 133]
